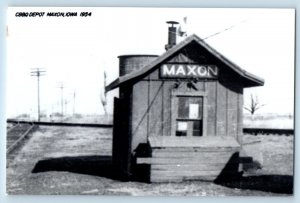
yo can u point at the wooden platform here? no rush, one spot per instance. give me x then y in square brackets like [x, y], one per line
[174, 159]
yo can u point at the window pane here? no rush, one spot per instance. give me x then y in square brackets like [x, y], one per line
[190, 107]
[181, 128]
[183, 107]
[189, 116]
[197, 128]
[194, 111]
[181, 133]
[193, 102]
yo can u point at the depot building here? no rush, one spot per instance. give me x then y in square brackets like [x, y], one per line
[179, 116]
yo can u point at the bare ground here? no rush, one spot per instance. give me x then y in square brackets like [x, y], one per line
[69, 161]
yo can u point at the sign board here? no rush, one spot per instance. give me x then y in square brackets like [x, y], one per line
[188, 71]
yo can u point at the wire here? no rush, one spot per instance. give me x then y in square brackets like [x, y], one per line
[226, 29]
[219, 32]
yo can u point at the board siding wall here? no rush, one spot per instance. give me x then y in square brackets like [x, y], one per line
[229, 110]
[154, 75]
[232, 99]
[166, 100]
[139, 113]
[155, 101]
[240, 115]
[211, 107]
[155, 120]
[224, 108]
[221, 110]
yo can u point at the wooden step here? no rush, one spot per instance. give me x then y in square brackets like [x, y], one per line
[189, 167]
[200, 142]
[172, 173]
[179, 154]
[196, 149]
[184, 160]
[164, 179]
[177, 176]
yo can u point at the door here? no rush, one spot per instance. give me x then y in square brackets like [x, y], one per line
[189, 120]
[188, 115]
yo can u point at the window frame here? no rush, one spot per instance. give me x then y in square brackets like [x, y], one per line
[174, 109]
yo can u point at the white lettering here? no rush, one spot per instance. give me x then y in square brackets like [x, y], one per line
[180, 70]
[191, 70]
[212, 70]
[202, 71]
[168, 71]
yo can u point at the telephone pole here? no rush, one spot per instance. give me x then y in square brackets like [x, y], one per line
[74, 96]
[38, 72]
[62, 99]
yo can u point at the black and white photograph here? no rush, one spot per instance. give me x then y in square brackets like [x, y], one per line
[133, 101]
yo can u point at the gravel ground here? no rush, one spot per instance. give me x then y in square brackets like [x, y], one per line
[76, 160]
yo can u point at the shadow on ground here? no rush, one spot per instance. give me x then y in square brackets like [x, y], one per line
[102, 166]
[232, 178]
[268, 183]
[282, 184]
[89, 165]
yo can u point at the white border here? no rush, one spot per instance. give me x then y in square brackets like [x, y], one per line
[147, 3]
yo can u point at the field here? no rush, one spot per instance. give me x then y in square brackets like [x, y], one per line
[77, 160]
[284, 121]
[76, 118]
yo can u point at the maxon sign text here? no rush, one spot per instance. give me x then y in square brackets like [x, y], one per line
[188, 71]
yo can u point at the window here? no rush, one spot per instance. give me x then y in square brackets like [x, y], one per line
[189, 116]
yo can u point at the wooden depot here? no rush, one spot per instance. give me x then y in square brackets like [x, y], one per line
[179, 116]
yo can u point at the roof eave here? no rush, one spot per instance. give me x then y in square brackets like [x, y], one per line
[255, 80]
[112, 85]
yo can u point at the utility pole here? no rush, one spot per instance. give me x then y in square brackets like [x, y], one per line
[74, 96]
[62, 99]
[66, 106]
[37, 72]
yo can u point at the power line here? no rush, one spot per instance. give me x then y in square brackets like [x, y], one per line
[38, 72]
[219, 32]
[216, 33]
[226, 29]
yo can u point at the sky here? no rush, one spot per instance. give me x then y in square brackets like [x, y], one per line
[75, 52]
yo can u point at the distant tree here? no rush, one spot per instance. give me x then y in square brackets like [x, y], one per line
[103, 94]
[254, 105]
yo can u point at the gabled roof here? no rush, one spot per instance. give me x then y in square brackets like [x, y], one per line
[251, 79]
